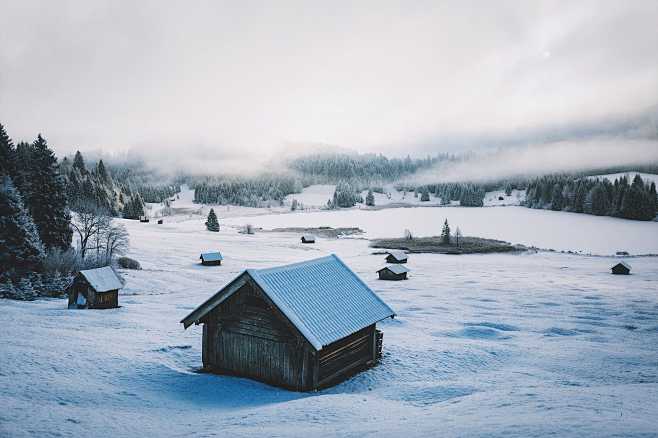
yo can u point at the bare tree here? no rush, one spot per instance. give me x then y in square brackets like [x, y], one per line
[458, 235]
[89, 221]
[115, 240]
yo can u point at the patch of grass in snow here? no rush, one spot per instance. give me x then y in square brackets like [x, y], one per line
[467, 245]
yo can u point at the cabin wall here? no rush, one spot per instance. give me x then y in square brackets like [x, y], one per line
[341, 358]
[388, 275]
[245, 337]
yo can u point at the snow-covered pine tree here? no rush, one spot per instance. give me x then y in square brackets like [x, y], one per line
[25, 291]
[46, 198]
[7, 154]
[212, 224]
[445, 233]
[79, 163]
[425, 195]
[370, 198]
[7, 289]
[21, 249]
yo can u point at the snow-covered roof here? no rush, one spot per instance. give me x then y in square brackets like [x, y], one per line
[624, 264]
[322, 298]
[211, 256]
[102, 279]
[398, 255]
[396, 269]
[308, 237]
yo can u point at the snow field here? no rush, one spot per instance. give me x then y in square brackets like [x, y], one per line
[495, 345]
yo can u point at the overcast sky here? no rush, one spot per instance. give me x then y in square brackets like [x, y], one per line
[247, 78]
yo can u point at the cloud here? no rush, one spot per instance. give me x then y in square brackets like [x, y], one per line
[248, 78]
[562, 156]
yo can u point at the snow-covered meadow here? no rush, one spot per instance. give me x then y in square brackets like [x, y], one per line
[497, 345]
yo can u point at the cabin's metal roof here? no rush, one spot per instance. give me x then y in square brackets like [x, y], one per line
[211, 256]
[398, 255]
[102, 279]
[396, 269]
[322, 298]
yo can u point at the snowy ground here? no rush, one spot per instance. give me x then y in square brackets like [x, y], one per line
[488, 345]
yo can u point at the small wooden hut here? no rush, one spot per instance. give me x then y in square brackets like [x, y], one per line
[143, 219]
[160, 221]
[302, 326]
[395, 256]
[211, 258]
[307, 238]
[95, 289]
[393, 272]
[621, 268]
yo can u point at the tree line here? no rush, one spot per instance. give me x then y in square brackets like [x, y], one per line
[37, 225]
[598, 196]
[257, 191]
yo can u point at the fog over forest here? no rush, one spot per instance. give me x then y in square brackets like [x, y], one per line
[227, 87]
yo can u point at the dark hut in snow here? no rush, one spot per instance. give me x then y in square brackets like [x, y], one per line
[393, 272]
[301, 326]
[307, 238]
[143, 219]
[211, 258]
[396, 257]
[621, 268]
[95, 289]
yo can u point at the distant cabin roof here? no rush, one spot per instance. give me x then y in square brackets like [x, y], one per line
[624, 264]
[322, 298]
[211, 256]
[398, 255]
[396, 269]
[308, 237]
[102, 279]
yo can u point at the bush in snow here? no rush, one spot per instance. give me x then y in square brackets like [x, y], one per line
[128, 263]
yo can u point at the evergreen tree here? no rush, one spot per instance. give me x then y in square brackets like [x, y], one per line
[370, 198]
[425, 195]
[598, 199]
[7, 154]
[212, 224]
[445, 233]
[21, 249]
[46, 198]
[102, 173]
[25, 291]
[79, 163]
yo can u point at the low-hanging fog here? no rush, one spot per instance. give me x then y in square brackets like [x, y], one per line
[225, 86]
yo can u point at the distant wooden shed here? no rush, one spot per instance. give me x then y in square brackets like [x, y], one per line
[144, 219]
[307, 238]
[160, 221]
[211, 258]
[95, 289]
[393, 272]
[396, 257]
[302, 326]
[621, 268]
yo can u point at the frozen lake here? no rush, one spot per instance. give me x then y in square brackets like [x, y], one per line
[541, 228]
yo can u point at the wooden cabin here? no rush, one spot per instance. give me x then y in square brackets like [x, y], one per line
[143, 219]
[211, 258]
[396, 257]
[303, 326]
[621, 268]
[95, 289]
[307, 238]
[393, 272]
[160, 221]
